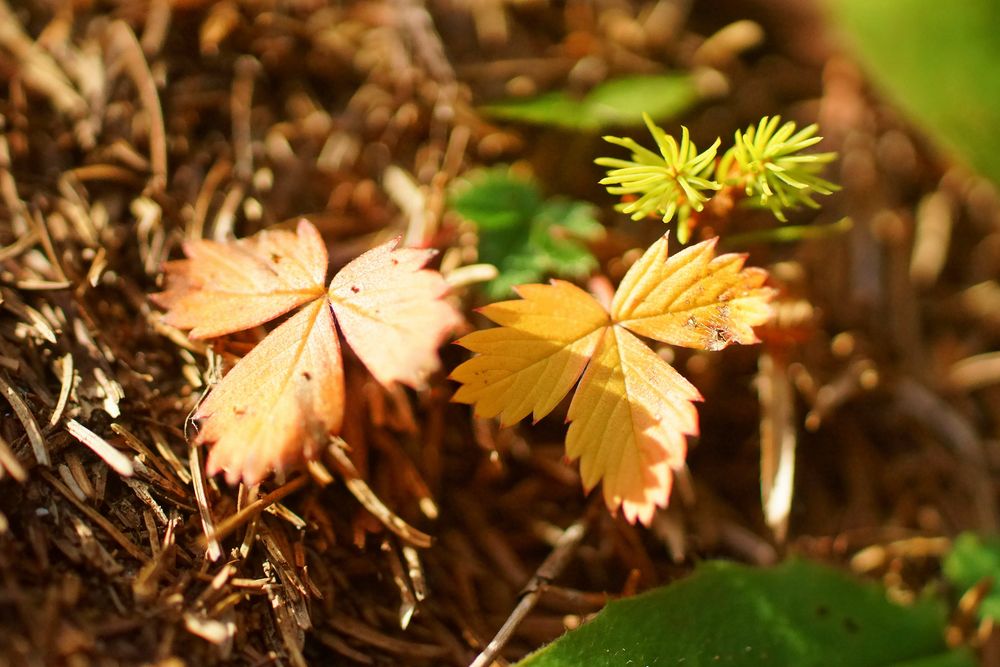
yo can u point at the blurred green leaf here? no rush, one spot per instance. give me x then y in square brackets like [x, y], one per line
[973, 558]
[798, 613]
[939, 60]
[615, 103]
[525, 237]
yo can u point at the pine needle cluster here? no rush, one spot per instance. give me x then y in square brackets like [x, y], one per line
[766, 165]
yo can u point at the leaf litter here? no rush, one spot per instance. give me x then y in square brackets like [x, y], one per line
[126, 132]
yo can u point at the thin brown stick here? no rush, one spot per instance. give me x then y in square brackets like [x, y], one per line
[923, 405]
[92, 514]
[241, 104]
[123, 41]
[209, 185]
[41, 227]
[371, 502]
[234, 521]
[550, 568]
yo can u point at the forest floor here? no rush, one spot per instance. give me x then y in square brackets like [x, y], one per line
[128, 126]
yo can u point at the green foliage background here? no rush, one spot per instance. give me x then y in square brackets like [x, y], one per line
[941, 62]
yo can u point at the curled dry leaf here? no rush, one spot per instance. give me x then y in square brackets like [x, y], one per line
[279, 403]
[632, 411]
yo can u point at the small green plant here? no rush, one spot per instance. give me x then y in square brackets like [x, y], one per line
[765, 165]
[974, 558]
[797, 613]
[613, 103]
[526, 237]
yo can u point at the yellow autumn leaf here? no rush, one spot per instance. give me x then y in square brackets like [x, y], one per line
[631, 413]
[628, 422]
[693, 299]
[527, 366]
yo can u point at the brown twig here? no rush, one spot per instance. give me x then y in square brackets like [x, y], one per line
[231, 523]
[360, 490]
[550, 568]
[92, 514]
[123, 44]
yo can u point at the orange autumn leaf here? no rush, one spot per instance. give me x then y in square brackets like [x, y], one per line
[225, 287]
[632, 412]
[279, 403]
[386, 308]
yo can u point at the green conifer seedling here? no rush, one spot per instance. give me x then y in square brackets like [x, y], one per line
[766, 166]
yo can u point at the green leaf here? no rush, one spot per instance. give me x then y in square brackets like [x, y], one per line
[798, 613]
[615, 103]
[497, 200]
[526, 238]
[972, 559]
[938, 60]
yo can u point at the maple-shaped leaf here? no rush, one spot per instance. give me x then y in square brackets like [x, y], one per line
[280, 402]
[225, 287]
[632, 411]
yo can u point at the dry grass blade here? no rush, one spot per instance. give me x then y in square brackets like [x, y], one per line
[408, 598]
[975, 372]
[167, 473]
[27, 420]
[231, 523]
[197, 467]
[19, 246]
[778, 439]
[65, 386]
[114, 458]
[360, 490]
[10, 463]
[39, 70]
